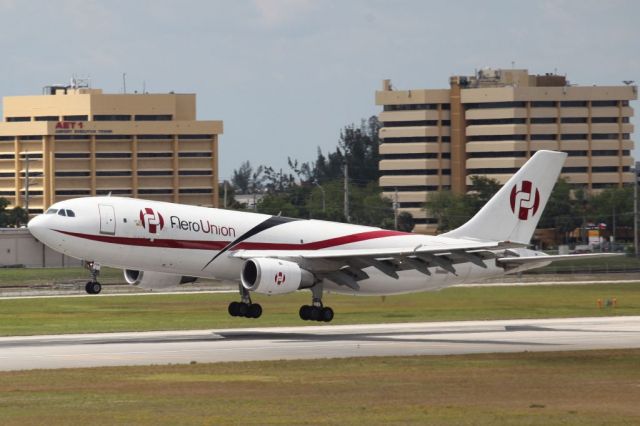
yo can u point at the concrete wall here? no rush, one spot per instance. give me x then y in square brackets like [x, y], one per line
[19, 247]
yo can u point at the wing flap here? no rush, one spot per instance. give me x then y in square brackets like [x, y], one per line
[554, 258]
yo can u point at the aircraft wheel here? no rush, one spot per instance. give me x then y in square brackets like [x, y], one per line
[314, 315]
[234, 309]
[254, 310]
[326, 314]
[305, 312]
[93, 287]
[243, 308]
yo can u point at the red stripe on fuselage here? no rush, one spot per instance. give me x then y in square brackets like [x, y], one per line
[219, 245]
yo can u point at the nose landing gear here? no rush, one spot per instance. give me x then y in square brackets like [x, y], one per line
[93, 286]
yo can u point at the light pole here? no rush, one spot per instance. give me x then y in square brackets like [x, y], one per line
[635, 211]
[323, 195]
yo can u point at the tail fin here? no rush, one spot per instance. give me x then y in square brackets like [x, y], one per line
[513, 213]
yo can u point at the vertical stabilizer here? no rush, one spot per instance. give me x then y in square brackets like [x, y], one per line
[513, 213]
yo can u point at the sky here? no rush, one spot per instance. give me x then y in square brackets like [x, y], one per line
[286, 76]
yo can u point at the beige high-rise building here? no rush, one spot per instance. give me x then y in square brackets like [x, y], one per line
[74, 141]
[489, 124]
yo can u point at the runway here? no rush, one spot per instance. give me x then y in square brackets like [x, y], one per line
[253, 344]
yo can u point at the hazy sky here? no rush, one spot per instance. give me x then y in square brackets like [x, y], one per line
[287, 75]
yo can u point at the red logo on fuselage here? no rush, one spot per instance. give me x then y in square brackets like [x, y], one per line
[524, 199]
[153, 221]
[280, 278]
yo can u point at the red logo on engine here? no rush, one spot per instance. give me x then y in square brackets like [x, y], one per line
[280, 278]
[524, 199]
[151, 220]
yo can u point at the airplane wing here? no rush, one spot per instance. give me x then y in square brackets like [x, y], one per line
[554, 258]
[346, 266]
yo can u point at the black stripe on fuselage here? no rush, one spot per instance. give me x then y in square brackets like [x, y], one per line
[263, 226]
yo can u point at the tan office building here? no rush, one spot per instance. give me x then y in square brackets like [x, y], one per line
[490, 124]
[76, 141]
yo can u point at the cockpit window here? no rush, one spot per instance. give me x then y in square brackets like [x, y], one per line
[52, 211]
[61, 212]
[70, 213]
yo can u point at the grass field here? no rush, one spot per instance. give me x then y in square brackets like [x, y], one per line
[205, 311]
[581, 388]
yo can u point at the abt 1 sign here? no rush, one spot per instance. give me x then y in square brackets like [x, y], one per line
[69, 125]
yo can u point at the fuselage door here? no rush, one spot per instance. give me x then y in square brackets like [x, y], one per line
[107, 219]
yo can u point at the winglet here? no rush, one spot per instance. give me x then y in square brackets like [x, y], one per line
[513, 213]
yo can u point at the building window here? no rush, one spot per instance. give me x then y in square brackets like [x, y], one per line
[113, 155]
[31, 138]
[606, 153]
[574, 170]
[6, 157]
[73, 192]
[155, 137]
[497, 138]
[72, 174]
[155, 173]
[573, 104]
[113, 117]
[196, 191]
[543, 120]
[195, 173]
[604, 103]
[493, 171]
[605, 136]
[613, 120]
[420, 172]
[47, 118]
[153, 117]
[71, 155]
[410, 123]
[414, 156]
[499, 154]
[7, 138]
[491, 121]
[411, 188]
[548, 137]
[155, 154]
[113, 192]
[16, 119]
[75, 117]
[410, 107]
[113, 173]
[573, 136]
[576, 153]
[607, 169]
[543, 104]
[573, 120]
[31, 155]
[194, 154]
[158, 191]
[412, 139]
[201, 137]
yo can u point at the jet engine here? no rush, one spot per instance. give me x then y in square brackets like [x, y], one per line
[155, 280]
[274, 276]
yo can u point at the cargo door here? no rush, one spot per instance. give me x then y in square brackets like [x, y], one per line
[107, 219]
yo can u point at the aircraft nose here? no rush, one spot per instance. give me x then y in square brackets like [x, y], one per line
[36, 226]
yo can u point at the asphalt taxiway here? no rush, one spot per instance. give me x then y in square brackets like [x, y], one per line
[307, 342]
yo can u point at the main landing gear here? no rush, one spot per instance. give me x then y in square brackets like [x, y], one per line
[316, 311]
[93, 286]
[245, 308]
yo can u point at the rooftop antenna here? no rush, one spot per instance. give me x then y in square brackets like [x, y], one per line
[124, 82]
[144, 87]
[513, 64]
[628, 82]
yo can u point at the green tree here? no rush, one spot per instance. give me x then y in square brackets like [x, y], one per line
[563, 211]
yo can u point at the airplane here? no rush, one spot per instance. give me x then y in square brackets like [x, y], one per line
[161, 245]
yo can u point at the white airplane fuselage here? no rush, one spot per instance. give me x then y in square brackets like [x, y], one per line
[201, 242]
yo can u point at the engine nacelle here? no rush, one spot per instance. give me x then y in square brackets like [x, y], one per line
[155, 280]
[274, 276]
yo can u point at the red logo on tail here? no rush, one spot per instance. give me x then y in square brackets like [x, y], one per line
[524, 199]
[151, 220]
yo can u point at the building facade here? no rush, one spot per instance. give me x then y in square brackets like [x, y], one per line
[489, 124]
[76, 141]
